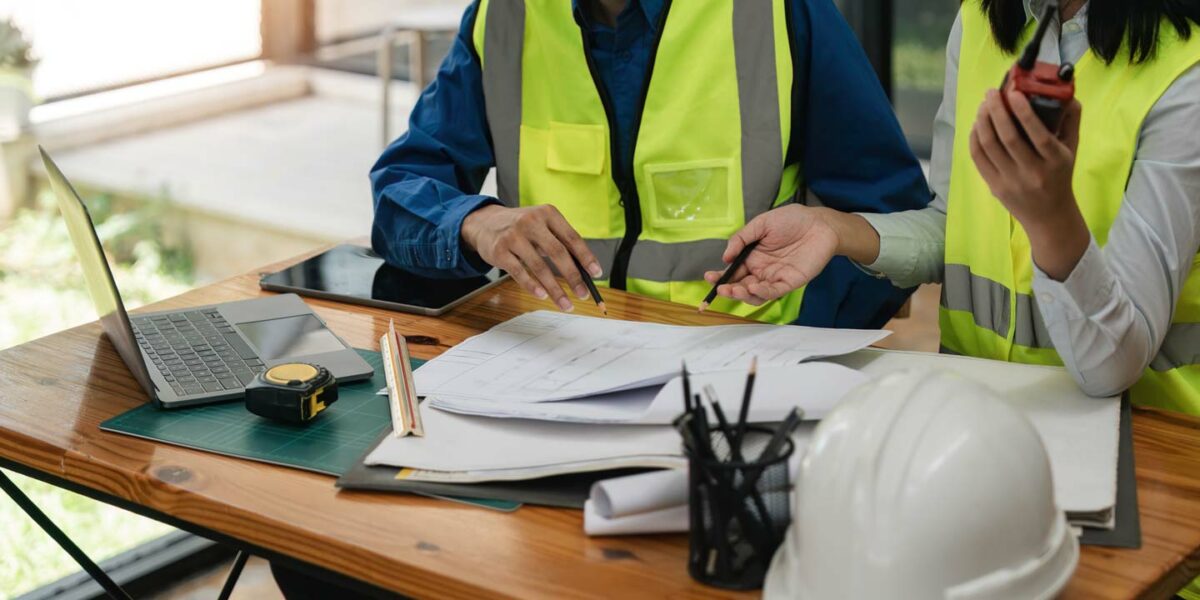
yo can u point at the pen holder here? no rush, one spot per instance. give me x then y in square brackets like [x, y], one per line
[738, 511]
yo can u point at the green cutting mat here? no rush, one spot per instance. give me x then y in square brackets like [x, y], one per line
[330, 444]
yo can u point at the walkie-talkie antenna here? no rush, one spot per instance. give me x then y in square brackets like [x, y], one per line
[1029, 58]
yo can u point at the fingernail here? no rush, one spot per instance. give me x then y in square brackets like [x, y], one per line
[595, 270]
[540, 293]
[581, 292]
[566, 305]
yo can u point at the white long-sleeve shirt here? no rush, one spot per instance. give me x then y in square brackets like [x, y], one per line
[1108, 319]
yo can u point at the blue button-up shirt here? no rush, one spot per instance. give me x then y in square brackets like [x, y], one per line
[844, 133]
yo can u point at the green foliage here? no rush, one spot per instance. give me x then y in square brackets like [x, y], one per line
[919, 67]
[41, 291]
[29, 558]
[15, 50]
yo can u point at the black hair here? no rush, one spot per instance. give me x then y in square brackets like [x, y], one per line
[1111, 23]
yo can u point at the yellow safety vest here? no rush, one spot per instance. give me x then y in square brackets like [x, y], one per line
[988, 307]
[709, 150]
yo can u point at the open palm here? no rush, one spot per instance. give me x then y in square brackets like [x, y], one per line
[795, 244]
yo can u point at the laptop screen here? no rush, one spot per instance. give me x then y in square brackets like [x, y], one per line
[97, 276]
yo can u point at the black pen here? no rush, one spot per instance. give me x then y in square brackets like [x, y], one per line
[728, 274]
[591, 286]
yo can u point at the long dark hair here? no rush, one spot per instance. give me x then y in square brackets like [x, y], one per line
[1110, 24]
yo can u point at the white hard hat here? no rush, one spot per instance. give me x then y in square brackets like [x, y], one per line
[924, 485]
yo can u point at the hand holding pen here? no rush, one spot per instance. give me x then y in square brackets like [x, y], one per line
[784, 249]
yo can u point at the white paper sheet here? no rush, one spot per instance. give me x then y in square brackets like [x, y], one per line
[547, 356]
[816, 387]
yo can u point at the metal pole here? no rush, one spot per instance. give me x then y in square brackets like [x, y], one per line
[384, 61]
[39, 517]
[234, 573]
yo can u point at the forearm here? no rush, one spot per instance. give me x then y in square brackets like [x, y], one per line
[906, 247]
[417, 227]
[1105, 335]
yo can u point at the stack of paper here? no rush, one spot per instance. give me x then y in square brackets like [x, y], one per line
[545, 356]
[468, 449]
[555, 376]
[815, 387]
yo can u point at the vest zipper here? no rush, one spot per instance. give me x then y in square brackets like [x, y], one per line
[622, 173]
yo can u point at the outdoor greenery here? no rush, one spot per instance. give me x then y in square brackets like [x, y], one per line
[15, 50]
[918, 66]
[41, 292]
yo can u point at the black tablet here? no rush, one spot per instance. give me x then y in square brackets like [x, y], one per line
[357, 275]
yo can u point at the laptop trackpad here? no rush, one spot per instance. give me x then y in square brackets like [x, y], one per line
[298, 335]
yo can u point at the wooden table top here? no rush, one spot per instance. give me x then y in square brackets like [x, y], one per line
[55, 391]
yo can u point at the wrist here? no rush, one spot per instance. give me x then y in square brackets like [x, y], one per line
[857, 239]
[473, 223]
[1058, 241]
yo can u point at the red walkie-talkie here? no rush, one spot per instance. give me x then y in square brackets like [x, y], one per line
[1050, 88]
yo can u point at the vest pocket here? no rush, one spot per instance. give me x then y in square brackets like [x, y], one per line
[576, 148]
[695, 194]
[567, 166]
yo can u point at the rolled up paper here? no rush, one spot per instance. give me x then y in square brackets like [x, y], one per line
[641, 493]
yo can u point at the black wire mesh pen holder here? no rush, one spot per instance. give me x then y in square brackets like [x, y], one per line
[738, 512]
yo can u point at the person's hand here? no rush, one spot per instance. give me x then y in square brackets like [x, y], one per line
[520, 240]
[795, 244]
[1033, 178]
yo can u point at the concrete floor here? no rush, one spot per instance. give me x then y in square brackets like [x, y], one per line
[300, 164]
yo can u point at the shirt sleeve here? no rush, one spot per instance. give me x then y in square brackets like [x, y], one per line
[854, 156]
[1110, 316]
[428, 180]
[912, 244]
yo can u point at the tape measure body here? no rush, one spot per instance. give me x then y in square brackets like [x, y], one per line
[292, 392]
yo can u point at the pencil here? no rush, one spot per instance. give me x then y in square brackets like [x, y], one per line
[591, 286]
[725, 277]
[687, 389]
[744, 412]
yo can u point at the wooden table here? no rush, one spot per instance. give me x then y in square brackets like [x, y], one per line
[54, 392]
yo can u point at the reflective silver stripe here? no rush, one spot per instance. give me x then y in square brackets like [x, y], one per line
[503, 42]
[986, 300]
[1031, 329]
[605, 251]
[657, 261]
[758, 100]
[1180, 348]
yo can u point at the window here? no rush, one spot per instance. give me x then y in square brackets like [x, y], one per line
[920, 30]
[86, 45]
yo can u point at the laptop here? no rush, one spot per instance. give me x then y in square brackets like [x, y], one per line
[208, 353]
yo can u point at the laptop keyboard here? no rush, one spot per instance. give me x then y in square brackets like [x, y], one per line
[197, 351]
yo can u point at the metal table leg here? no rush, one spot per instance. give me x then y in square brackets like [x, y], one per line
[39, 517]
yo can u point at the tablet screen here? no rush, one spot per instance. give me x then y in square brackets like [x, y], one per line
[355, 272]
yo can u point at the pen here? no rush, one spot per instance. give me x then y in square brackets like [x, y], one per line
[733, 267]
[591, 286]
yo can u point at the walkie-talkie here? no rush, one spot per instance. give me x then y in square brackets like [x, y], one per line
[1049, 87]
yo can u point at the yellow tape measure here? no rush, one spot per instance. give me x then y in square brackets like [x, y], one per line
[292, 392]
